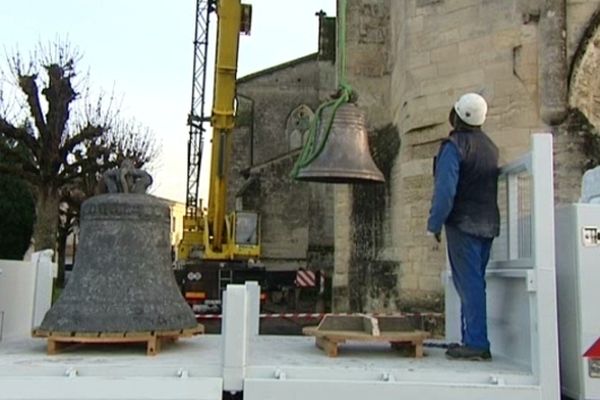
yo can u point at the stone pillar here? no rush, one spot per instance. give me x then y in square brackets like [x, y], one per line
[571, 156]
[343, 247]
[553, 62]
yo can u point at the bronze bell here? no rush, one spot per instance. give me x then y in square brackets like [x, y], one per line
[122, 279]
[345, 157]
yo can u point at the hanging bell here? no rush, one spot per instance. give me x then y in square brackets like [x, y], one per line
[345, 157]
[122, 279]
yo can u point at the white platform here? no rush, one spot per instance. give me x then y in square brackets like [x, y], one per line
[189, 369]
[199, 356]
[522, 324]
[274, 362]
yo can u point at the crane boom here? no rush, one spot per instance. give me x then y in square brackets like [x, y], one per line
[213, 235]
[230, 16]
[196, 117]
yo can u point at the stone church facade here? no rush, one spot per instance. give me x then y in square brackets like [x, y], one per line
[274, 107]
[535, 61]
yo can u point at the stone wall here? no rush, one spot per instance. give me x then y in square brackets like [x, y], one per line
[364, 274]
[274, 108]
[410, 60]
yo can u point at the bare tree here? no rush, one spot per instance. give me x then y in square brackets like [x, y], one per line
[67, 138]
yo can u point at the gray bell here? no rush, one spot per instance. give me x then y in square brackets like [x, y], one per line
[122, 279]
[345, 157]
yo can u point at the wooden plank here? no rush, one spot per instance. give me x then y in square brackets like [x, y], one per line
[177, 332]
[199, 329]
[361, 336]
[88, 334]
[409, 349]
[61, 334]
[137, 334]
[371, 324]
[39, 333]
[309, 330]
[154, 340]
[152, 346]
[53, 347]
[328, 346]
[408, 341]
[112, 334]
[100, 339]
[418, 349]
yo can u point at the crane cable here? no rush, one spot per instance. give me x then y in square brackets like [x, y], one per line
[311, 149]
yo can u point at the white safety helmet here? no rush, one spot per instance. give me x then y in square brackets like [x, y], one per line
[471, 108]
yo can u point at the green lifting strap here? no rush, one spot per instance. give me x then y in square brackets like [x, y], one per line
[311, 149]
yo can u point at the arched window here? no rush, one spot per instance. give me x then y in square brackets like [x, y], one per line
[297, 126]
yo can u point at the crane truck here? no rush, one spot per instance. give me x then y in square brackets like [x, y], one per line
[217, 248]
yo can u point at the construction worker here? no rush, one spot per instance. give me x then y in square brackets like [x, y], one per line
[465, 203]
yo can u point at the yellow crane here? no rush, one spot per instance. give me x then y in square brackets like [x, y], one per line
[213, 240]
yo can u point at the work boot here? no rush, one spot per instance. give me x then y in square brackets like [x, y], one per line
[468, 353]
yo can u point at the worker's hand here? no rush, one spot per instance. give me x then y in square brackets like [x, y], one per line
[437, 236]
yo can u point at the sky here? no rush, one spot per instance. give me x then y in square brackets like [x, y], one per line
[142, 51]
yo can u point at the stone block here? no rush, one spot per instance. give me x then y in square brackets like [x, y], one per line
[415, 24]
[456, 65]
[424, 72]
[340, 276]
[417, 167]
[454, 5]
[507, 38]
[446, 52]
[418, 58]
[498, 70]
[425, 3]
[465, 78]
[475, 45]
[408, 282]
[456, 18]
[430, 284]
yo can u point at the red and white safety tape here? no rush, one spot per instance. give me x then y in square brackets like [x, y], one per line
[321, 315]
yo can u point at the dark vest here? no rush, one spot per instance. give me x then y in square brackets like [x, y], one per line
[475, 208]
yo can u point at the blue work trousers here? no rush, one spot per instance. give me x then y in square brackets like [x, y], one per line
[469, 256]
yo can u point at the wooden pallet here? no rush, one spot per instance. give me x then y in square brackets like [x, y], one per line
[154, 340]
[338, 329]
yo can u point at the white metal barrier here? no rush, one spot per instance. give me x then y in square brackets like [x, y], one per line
[521, 283]
[25, 294]
[241, 307]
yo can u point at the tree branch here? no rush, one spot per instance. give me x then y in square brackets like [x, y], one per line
[20, 135]
[59, 95]
[17, 158]
[73, 175]
[30, 88]
[88, 132]
[82, 167]
[19, 172]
